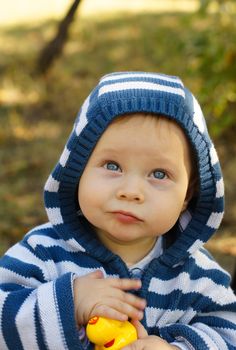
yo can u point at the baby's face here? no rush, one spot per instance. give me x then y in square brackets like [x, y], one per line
[134, 185]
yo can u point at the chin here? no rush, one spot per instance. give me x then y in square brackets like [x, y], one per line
[119, 237]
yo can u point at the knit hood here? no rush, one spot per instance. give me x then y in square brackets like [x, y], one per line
[133, 92]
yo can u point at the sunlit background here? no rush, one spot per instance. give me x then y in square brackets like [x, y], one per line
[28, 11]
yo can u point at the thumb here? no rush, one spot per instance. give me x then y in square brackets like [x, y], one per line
[141, 331]
[95, 274]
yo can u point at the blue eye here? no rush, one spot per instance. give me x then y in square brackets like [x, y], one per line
[159, 174]
[112, 166]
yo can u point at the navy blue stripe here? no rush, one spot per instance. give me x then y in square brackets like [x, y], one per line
[173, 331]
[66, 310]
[39, 332]
[11, 287]
[216, 275]
[51, 198]
[57, 171]
[177, 300]
[9, 312]
[21, 268]
[82, 260]
[215, 321]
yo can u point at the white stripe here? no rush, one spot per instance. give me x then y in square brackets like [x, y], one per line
[198, 116]
[213, 155]
[13, 277]
[71, 245]
[187, 316]
[195, 246]
[229, 335]
[49, 317]
[141, 75]
[139, 85]
[3, 296]
[52, 185]
[220, 188]
[204, 286]
[209, 334]
[181, 344]
[23, 254]
[82, 118]
[39, 228]
[64, 157]
[215, 220]
[161, 317]
[54, 214]
[184, 219]
[206, 263]
[69, 266]
[211, 345]
[25, 323]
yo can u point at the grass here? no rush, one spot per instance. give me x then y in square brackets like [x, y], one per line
[37, 112]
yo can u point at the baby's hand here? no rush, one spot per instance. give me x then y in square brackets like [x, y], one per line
[148, 342]
[152, 342]
[95, 295]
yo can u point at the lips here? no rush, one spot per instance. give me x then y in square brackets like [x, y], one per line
[126, 217]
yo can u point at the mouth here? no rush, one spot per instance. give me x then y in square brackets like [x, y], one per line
[126, 217]
[109, 344]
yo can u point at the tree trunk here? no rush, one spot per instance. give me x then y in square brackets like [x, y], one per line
[203, 6]
[54, 48]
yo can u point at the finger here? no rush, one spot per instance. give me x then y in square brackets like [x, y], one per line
[133, 300]
[118, 306]
[133, 346]
[138, 345]
[95, 275]
[109, 312]
[125, 283]
[127, 298]
[141, 331]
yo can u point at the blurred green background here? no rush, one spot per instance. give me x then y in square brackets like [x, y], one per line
[192, 39]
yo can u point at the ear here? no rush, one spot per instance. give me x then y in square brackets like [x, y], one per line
[192, 191]
[184, 207]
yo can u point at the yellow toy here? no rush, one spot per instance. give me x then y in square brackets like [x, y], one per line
[110, 334]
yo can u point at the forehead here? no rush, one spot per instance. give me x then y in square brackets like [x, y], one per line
[145, 131]
[144, 139]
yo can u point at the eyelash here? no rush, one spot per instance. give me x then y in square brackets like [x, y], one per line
[118, 168]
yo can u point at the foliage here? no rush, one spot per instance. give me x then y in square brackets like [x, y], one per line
[37, 112]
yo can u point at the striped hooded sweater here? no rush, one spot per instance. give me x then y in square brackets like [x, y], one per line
[189, 301]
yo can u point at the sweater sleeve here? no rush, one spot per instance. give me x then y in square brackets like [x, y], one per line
[193, 307]
[36, 305]
[201, 336]
[212, 327]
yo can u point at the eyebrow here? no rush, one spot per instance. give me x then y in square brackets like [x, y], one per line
[155, 157]
[108, 150]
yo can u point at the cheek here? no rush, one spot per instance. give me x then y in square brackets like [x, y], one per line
[90, 195]
[168, 207]
[87, 204]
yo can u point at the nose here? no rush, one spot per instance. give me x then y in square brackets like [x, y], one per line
[130, 191]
